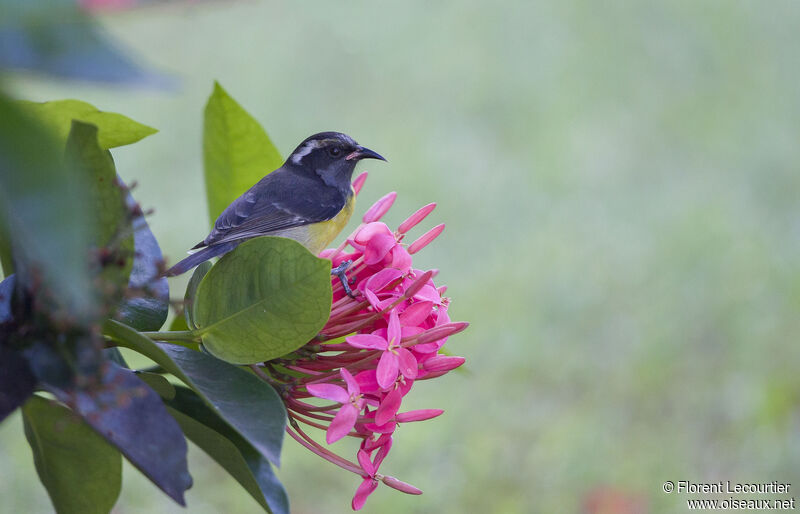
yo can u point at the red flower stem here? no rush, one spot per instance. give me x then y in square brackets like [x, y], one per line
[301, 369]
[307, 407]
[322, 452]
[296, 415]
[351, 367]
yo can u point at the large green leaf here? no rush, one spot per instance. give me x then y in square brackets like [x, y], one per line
[113, 228]
[248, 405]
[80, 470]
[264, 299]
[234, 453]
[45, 213]
[237, 152]
[112, 129]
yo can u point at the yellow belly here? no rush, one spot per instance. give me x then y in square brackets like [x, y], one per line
[317, 236]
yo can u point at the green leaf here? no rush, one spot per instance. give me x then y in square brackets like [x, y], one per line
[157, 383]
[179, 324]
[114, 230]
[247, 404]
[80, 470]
[237, 456]
[191, 292]
[264, 299]
[237, 152]
[45, 213]
[113, 129]
[233, 392]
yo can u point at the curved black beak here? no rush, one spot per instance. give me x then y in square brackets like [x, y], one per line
[363, 153]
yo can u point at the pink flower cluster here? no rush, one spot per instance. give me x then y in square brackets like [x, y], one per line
[373, 349]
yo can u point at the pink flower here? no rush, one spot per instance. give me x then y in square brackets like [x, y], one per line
[351, 402]
[377, 345]
[394, 358]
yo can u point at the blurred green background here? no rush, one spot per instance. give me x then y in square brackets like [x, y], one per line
[621, 188]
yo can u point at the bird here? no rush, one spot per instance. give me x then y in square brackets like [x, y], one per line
[309, 199]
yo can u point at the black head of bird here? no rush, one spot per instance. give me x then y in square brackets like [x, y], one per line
[330, 155]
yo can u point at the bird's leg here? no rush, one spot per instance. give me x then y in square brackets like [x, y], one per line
[341, 272]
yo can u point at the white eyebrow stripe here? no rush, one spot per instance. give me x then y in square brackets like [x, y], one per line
[304, 150]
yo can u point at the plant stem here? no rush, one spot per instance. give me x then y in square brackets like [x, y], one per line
[176, 335]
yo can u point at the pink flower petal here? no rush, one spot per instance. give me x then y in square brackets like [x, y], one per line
[373, 299]
[365, 462]
[370, 444]
[358, 183]
[411, 331]
[367, 382]
[415, 218]
[425, 239]
[379, 208]
[383, 452]
[387, 370]
[429, 347]
[342, 423]
[407, 363]
[367, 341]
[416, 313]
[428, 293]
[352, 385]
[328, 392]
[388, 407]
[326, 253]
[388, 428]
[418, 415]
[393, 333]
[382, 279]
[400, 258]
[369, 231]
[405, 386]
[377, 248]
[363, 491]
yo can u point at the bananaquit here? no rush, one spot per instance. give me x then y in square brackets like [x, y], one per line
[308, 199]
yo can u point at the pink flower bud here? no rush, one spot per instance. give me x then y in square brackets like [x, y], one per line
[358, 183]
[442, 363]
[442, 331]
[379, 208]
[400, 485]
[415, 286]
[425, 239]
[418, 415]
[415, 218]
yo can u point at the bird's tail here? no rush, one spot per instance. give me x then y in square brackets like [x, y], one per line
[199, 257]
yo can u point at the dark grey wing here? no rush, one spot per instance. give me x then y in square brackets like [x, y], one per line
[279, 201]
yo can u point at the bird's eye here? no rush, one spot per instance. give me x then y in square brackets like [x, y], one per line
[335, 151]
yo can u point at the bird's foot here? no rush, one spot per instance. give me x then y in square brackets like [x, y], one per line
[341, 272]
